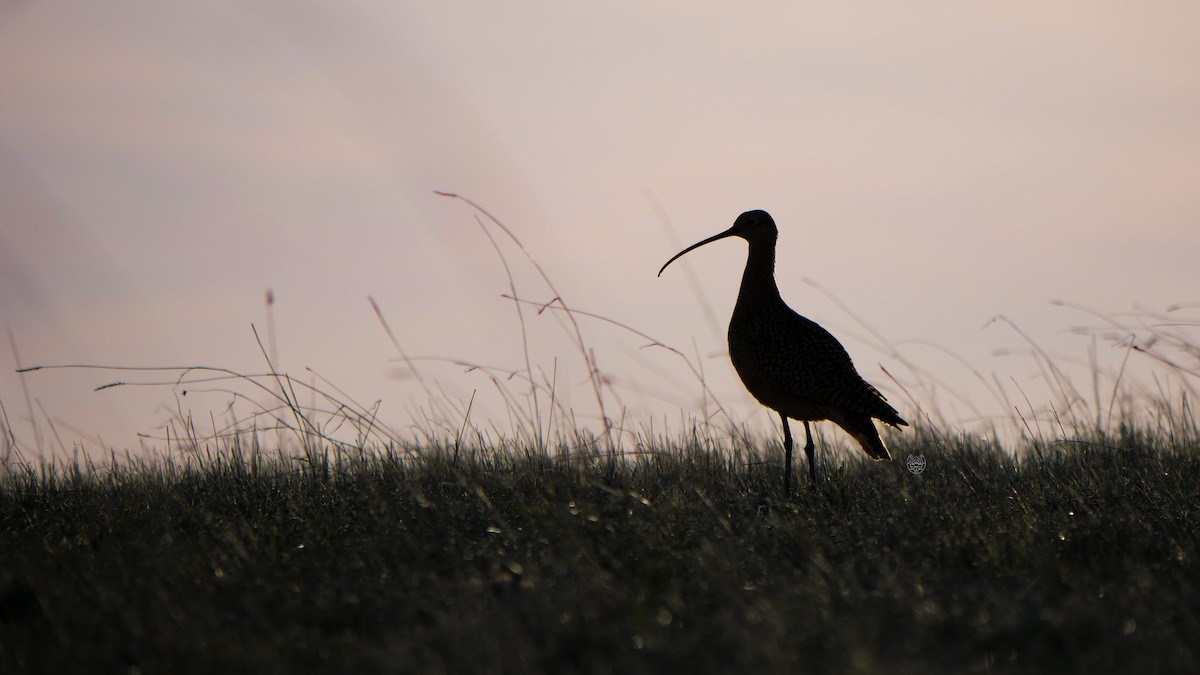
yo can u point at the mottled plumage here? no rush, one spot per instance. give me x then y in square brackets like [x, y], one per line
[789, 363]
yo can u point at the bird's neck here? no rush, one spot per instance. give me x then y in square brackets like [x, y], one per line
[758, 280]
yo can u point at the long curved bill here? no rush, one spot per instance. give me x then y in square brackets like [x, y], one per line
[726, 233]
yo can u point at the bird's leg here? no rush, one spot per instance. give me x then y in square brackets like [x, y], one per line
[787, 460]
[809, 449]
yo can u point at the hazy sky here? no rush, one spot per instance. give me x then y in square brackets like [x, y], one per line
[931, 165]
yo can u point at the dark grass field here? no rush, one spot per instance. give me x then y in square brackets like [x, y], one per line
[1079, 557]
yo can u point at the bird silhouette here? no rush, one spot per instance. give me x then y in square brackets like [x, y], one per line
[789, 363]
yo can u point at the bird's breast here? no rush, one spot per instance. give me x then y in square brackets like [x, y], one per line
[760, 356]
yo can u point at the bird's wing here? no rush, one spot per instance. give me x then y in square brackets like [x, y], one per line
[822, 369]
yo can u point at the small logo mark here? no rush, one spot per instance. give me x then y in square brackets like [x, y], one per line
[915, 463]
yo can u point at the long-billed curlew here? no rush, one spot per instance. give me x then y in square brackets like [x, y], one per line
[789, 363]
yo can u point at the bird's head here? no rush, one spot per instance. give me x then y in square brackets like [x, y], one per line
[753, 226]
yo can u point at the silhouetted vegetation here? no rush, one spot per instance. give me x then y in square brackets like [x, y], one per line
[1078, 557]
[457, 546]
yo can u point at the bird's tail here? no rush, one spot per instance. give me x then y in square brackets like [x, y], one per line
[863, 430]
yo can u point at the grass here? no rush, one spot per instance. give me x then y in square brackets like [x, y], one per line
[685, 558]
[572, 542]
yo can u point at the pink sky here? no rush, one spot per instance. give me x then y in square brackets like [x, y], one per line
[162, 165]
